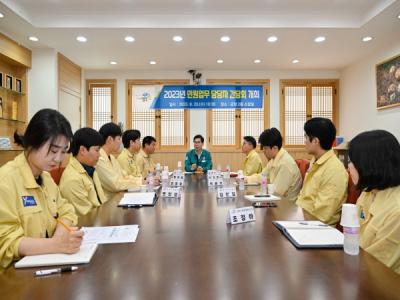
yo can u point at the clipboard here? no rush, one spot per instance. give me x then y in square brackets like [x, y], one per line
[137, 200]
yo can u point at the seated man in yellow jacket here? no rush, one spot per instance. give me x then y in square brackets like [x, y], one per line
[145, 162]
[129, 155]
[113, 179]
[281, 168]
[325, 184]
[79, 183]
[252, 164]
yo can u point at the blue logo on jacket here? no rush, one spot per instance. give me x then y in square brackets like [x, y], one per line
[28, 201]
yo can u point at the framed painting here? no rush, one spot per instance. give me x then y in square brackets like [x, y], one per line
[388, 83]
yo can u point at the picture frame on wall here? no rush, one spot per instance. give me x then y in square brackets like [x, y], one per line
[388, 83]
[9, 82]
[18, 85]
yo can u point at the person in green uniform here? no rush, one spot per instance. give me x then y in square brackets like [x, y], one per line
[198, 159]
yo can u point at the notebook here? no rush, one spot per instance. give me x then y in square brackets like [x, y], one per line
[310, 234]
[111, 234]
[82, 257]
[256, 198]
[138, 199]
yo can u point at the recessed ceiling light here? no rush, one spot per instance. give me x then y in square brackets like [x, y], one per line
[152, 62]
[257, 61]
[129, 39]
[177, 38]
[319, 39]
[225, 39]
[398, 17]
[113, 62]
[272, 39]
[81, 39]
[295, 61]
[220, 61]
[367, 39]
[1, 15]
[33, 38]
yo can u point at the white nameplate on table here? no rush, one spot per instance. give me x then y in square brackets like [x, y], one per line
[216, 182]
[228, 192]
[176, 182]
[240, 215]
[110, 234]
[178, 176]
[83, 256]
[260, 198]
[171, 192]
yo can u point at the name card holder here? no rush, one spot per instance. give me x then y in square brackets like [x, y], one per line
[216, 182]
[240, 215]
[178, 183]
[178, 176]
[228, 192]
[171, 192]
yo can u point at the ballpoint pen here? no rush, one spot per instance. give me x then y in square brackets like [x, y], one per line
[55, 271]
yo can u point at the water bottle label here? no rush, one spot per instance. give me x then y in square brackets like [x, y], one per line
[350, 230]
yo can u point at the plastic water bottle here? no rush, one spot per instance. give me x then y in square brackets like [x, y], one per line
[241, 180]
[263, 187]
[351, 244]
[219, 170]
[150, 180]
[164, 177]
[179, 167]
[158, 170]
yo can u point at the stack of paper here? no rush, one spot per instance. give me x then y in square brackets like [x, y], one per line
[310, 234]
[111, 234]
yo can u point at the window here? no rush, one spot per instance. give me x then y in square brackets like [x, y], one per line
[101, 106]
[302, 100]
[227, 127]
[169, 127]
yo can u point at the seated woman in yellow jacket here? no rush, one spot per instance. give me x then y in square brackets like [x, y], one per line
[375, 169]
[79, 183]
[128, 158]
[113, 179]
[33, 215]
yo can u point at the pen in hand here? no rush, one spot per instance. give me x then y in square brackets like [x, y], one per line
[55, 271]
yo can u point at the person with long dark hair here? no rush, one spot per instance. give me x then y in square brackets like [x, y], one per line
[34, 218]
[375, 168]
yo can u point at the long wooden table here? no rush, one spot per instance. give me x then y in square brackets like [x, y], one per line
[185, 250]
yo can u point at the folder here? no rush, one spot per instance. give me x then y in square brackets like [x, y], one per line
[83, 256]
[311, 234]
[138, 199]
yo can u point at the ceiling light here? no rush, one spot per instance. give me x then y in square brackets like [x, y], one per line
[272, 39]
[113, 62]
[225, 39]
[367, 39]
[129, 39]
[295, 61]
[319, 39]
[257, 61]
[177, 38]
[81, 39]
[152, 62]
[33, 38]
[398, 17]
[220, 61]
[1, 15]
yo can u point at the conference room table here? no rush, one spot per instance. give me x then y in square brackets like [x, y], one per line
[185, 250]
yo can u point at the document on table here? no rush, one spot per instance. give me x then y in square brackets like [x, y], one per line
[110, 234]
[261, 198]
[310, 234]
[84, 255]
[138, 199]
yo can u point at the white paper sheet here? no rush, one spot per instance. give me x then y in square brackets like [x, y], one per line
[137, 199]
[307, 237]
[111, 234]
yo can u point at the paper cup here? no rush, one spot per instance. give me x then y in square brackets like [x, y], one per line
[349, 216]
[271, 188]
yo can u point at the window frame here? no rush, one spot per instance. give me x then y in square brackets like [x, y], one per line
[308, 83]
[89, 100]
[238, 142]
[186, 115]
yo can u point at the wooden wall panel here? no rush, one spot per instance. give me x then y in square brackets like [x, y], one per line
[11, 50]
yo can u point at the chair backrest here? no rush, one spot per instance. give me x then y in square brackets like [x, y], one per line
[303, 165]
[56, 174]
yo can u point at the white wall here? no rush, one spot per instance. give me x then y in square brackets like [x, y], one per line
[358, 97]
[198, 117]
[42, 81]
